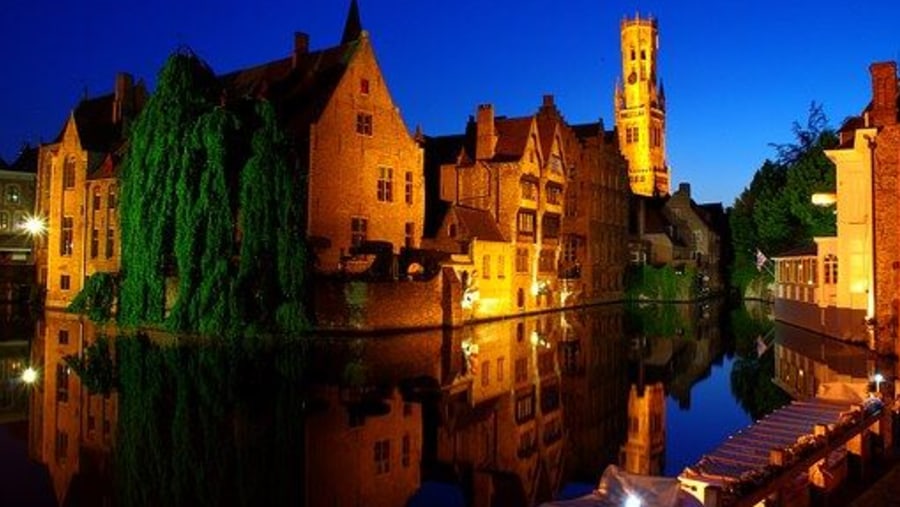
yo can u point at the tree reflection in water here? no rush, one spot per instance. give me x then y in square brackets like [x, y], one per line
[507, 411]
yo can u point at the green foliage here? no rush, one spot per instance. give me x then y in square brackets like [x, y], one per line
[657, 320]
[95, 367]
[97, 298]
[209, 200]
[665, 283]
[775, 213]
[209, 425]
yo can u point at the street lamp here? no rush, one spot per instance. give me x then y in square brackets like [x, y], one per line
[34, 225]
[878, 378]
[29, 375]
[633, 501]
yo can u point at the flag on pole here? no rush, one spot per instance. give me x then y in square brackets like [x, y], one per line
[761, 259]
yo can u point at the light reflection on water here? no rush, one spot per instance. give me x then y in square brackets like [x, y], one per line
[517, 409]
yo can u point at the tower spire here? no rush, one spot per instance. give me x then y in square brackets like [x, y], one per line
[353, 26]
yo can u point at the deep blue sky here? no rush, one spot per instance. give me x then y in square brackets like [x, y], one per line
[737, 74]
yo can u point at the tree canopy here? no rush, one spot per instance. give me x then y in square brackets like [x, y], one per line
[775, 212]
[211, 215]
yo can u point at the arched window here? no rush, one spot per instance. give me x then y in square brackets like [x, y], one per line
[831, 269]
[632, 54]
[13, 194]
[520, 298]
[69, 172]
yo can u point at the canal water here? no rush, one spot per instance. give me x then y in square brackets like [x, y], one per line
[511, 412]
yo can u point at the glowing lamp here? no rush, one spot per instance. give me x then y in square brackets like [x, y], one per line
[29, 375]
[633, 501]
[824, 199]
[34, 225]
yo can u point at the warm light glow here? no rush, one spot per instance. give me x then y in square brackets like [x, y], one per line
[34, 225]
[824, 199]
[878, 378]
[29, 376]
[633, 501]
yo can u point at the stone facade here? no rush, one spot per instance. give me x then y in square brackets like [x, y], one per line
[641, 109]
[77, 192]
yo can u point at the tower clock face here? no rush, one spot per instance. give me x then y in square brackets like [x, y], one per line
[632, 78]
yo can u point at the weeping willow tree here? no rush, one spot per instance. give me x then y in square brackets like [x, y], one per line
[210, 208]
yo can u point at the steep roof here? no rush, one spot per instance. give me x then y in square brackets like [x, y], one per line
[512, 137]
[93, 118]
[299, 86]
[439, 150]
[478, 223]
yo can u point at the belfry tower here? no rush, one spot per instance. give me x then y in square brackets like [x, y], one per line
[641, 109]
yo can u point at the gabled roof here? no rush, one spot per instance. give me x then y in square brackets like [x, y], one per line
[299, 86]
[512, 137]
[478, 223]
[94, 121]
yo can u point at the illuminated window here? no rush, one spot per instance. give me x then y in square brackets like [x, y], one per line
[529, 190]
[110, 242]
[385, 184]
[358, 229]
[382, 457]
[554, 193]
[64, 282]
[69, 172]
[525, 408]
[501, 266]
[409, 187]
[4, 220]
[364, 124]
[486, 267]
[96, 199]
[67, 238]
[62, 382]
[521, 260]
[831, 269]
[364, 86]
[95, 242]
[556, 162]
[525, 222]
[13, 194]
[570, 249]
[111, 201]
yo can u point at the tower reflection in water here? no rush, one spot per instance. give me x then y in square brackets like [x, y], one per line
[506, 412]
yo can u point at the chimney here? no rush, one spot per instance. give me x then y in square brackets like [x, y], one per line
[301, 47]
[123, 100]
[685, 188]
[485, 136]
[884, 93]
[548, 101]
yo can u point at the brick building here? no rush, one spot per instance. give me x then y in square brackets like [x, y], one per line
[77, 192]
[849, 285]
[363, 167]
[535, 206]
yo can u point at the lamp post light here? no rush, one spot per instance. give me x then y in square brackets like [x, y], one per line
[29, 375]
[878, 378]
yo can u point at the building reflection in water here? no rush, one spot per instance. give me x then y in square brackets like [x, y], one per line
[508, 412]
[808, 364]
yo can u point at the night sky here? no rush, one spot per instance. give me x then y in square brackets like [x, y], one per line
[736, 73]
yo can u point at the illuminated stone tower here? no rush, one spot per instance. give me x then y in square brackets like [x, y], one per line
[641, 109]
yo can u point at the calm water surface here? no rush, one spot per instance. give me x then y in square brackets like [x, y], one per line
[514, 412]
